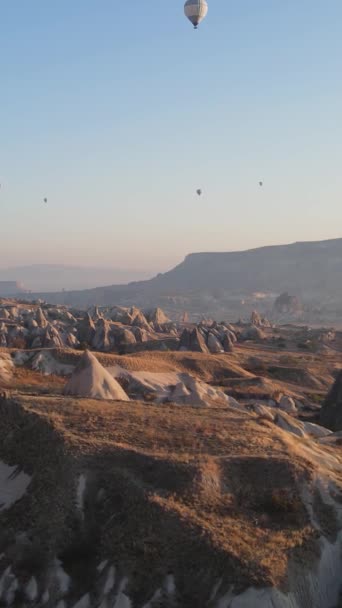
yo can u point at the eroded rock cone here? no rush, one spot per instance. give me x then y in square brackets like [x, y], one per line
[41, 318]
[127, 337]
[184, 343]
[90, 379]
[139, 320]
[157, 317]
[96, 315]
[214, 344]
[71, 340]
[101, 339]
[86, 330]
[140, 334]
[331, 412]
[256, 319]
[227, 343]
[52, 338]
[197, 342]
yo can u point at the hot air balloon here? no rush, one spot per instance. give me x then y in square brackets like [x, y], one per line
[199, 192]
[261, 184]
[195, 11]
[45, 200]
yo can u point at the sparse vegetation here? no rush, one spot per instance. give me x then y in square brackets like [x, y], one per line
[216, 485]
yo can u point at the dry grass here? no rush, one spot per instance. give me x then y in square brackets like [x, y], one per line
[27, 380]
[202, 493]
[210, 488]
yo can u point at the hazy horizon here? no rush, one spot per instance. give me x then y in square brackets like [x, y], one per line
[111, 115]
[137, 272]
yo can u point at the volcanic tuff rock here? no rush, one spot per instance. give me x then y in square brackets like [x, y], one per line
[102, 339]
[157, 316]
[331, 412]
[228, 345]
[92, 380]
[86, 330]
[41, 319]
[214, 345]
[193, 340]
[256, 319]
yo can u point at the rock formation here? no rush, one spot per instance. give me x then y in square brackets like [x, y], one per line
[288, 304]
[92, 380]
[41, 319]
[86, 330]
[331, 412]
[214, 345]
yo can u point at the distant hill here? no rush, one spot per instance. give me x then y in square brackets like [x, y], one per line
[50, 277]
[215, 283]
[306, 268]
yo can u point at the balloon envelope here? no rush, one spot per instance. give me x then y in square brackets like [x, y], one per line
[199, 192]
[196, 11]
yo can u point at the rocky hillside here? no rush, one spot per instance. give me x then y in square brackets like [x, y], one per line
[305, 268]
[197, 474]
[121, 506]
[215, 283]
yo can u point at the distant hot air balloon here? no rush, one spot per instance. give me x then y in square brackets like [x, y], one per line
[199, 192]
[195, 11]
[261, 184]
[45, 200]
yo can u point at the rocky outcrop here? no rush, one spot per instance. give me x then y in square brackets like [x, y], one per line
[3, 335]
[41, 319]
[127, 337]
[139, 320]
[86, 330]
[52, 338]
[214, 344]
[253, 333]
[92, 380]
[331, 412]
[184, 343]
[90, 490]
[287, 404]
[228, 345]
[256, 319]
[288, 304]
[140, 334]
[193, 340]
[157, 317]
[102, 340]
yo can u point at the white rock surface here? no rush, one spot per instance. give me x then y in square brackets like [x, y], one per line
[288, 405]
[91, 380]
[13, 485]
[45, 363]
[6, 367]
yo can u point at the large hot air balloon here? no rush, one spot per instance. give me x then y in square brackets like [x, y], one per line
[195, 11]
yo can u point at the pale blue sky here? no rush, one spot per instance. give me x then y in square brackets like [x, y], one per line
[117, 111]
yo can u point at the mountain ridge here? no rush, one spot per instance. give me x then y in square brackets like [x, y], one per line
[213, 282]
